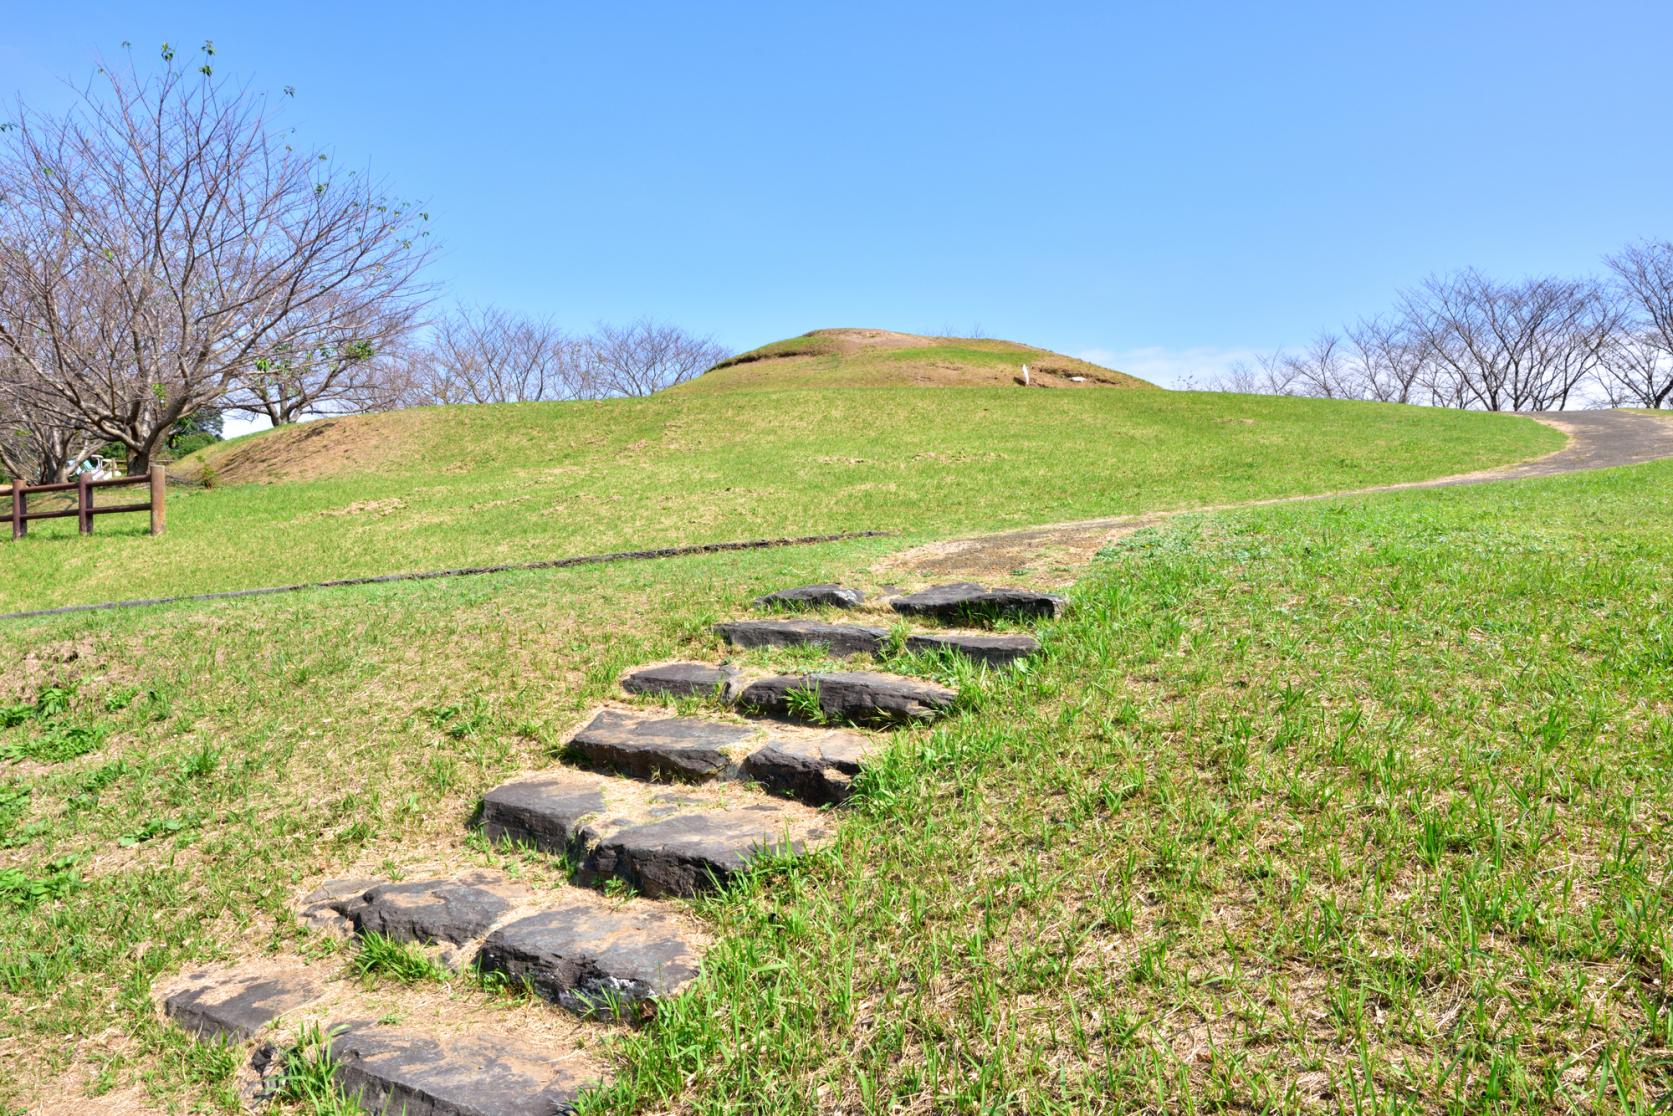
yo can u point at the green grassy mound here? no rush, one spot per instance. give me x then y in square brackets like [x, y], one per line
[832, 358]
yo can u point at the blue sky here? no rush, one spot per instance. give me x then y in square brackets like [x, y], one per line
[1161, 186]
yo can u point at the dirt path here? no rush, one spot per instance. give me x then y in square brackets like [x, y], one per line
[1055, 553]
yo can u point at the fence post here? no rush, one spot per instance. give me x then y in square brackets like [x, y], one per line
[159, 485]
[19, 527]
[84, 504]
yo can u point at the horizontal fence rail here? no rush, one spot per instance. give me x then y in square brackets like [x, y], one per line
[86, 508]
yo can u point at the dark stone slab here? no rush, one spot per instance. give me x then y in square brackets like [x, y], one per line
[395, 1071]
[455, 911]
[816, 768]
[595, 960]
[860, 697]
[322, 908]
[548, 813]
[837, 639]
[693, 852]
[835, 596]
[684, 680]
[965, 600]
[995, 650]
[687, 748]
[235, 1005]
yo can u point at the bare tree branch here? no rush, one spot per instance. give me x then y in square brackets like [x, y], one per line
[645, 357]
[1639, 371]
[160, 241]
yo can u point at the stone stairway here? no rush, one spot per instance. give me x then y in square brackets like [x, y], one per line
[656, 805]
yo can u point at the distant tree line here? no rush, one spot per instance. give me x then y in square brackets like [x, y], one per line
[168, 251]
[1469, 340]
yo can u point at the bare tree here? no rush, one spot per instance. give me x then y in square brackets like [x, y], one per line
[489, 355]
[645, 357]
[1324, 369]
[161, 239]
[33, 446]
[338, 369]
[1640, 369]
[1389, 365]
[1270, 374]
[1637, 371]
[1509, 346]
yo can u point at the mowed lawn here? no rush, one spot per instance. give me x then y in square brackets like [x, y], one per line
[446, 487]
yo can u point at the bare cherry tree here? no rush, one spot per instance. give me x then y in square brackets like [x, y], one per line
[1389, 367]
[34, 446]
[1509, 346]
[489, 355]
[162, 238]
[644, 357]
[343, 368]
[1639, 371]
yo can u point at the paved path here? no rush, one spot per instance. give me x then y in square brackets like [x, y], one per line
[1055, 553]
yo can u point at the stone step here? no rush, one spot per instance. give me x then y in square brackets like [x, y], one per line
[994, 650]
[596, 958]
[689, 749]
[834, 596]
[573, 948]
[678, 680]
[236, 1003]
[662, 841]
[816, 766]
[841, 640]
[473, 1060]
[967, 601]
[397, 1070]
[857, 697]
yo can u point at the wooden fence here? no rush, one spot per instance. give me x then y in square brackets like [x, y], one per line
[84, 486]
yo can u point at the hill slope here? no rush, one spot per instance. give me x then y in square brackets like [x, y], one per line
[829, 358]
[450, 486]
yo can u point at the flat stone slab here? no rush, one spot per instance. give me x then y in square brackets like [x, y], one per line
[696, 851]
[595, 959]
[836, 596]
[394, 1071]
[685, 748]
[237, 1003]
[995, 650]
[860, 697]
[547, 812]
[322, 908]
[965, 600]
[455, 911]
[661, 840]
[837, 639]
[816, 767]
[684, 680]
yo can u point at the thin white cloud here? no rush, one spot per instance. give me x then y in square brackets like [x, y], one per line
[1199, 365]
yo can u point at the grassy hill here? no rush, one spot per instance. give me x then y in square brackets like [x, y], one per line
[1151, 817]
[452, 486]
[832, 358]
